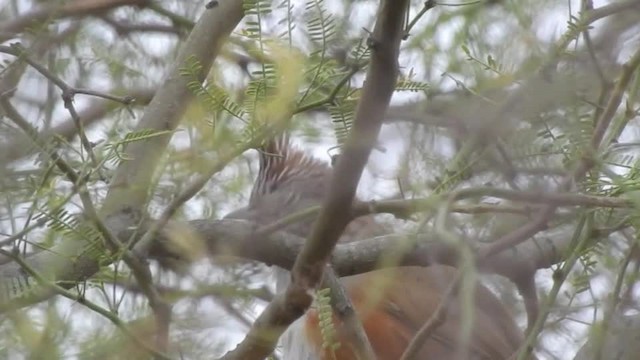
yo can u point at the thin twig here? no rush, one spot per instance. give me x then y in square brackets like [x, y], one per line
[68, 93]
[612, 305]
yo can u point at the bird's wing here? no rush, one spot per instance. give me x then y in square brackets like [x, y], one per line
[411, 295]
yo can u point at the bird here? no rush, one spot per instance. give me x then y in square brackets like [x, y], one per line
[391, 303]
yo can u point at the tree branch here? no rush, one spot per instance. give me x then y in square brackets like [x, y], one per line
[335, 214]
[244, 239]
[56, 10]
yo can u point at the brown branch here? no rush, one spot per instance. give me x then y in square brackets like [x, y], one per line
[594, 15]
[239, 238]
[175, 294]
[130, 183]
[124, 27]
[58, 10]
[405, 208]
[335, 214]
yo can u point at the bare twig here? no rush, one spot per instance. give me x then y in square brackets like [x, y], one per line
[18, 51]
[178, 20]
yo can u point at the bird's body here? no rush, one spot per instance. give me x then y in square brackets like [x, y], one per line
[391, 303]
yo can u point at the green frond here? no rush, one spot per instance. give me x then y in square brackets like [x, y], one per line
[214, 98]
[321, 25]
[115, 150]
[254, 11]
[321, 28]
[360, 53]
[256, 7]
[287, 21]
[59, 220]
[218, 99]
[406, 84]
[581, 283]
[589, 260]
[69, 225]
[342, 115]
[255, 92]
[264, 94]
[325, 76]
[141, 135]
[258, 90]
[325, 319]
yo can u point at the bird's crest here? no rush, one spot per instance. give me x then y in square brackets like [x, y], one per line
[281, 162]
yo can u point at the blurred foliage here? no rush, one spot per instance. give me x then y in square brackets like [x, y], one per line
[491, 93]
